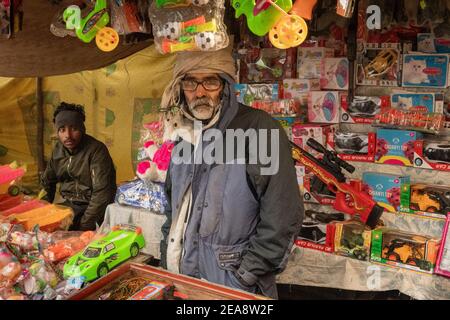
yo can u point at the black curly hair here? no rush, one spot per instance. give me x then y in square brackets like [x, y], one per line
[64, 106]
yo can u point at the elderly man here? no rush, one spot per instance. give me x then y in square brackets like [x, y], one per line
[229, 222]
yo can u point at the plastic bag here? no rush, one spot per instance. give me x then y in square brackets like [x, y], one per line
[66, 244]
[130, 16]
[189, 28]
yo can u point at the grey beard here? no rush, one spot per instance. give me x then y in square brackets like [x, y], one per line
[204, 102]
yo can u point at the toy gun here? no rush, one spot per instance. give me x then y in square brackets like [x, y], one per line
[329, 171]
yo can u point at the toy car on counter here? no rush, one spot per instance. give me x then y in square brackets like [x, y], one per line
[102, 255]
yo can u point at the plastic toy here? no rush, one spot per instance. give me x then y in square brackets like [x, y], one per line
[351, 142]
[89, 27]
[365, 106]
[412, 120]
[155, 169]
[437, 152]
[433, 199]
[9, 175]
[381, 63]
[352, 239]
[100, 256]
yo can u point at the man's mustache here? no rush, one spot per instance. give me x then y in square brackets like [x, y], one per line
[201, 102]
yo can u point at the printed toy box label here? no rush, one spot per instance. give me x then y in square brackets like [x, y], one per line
[396, 147]
[426, 42]
[433, 155]
[323, 107]
[428, 71]
[247, 93]
[406, 250]
[334, 74]
[353, 146]
[423, 102]
[362, 109]
[392, 192]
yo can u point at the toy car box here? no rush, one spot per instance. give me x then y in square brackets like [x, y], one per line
[425, 102]
[247, 93]
[425, 70]
[396, 147]
[334, 74]
[402, 249]
[266, 65]
[443, 260]
[323, 107]
[302, 132]
[352, 239]
[362, 109]
[392, 192]
[430, 200]
[433, 155]
[378, 66]
[353, 146]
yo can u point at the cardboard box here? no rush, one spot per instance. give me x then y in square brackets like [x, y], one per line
[443, 260]
[353, 146]
[425, 70]
[362, 109]
[424, 102]
[396, 147]
[430, 200]
[316, 192]
[328, 246]
[334, 74]
[247, 93]
[433, 155]
[302, 132]
[323, 107]
[428, 43]
[392, 192]
[352, 239]
[402, 249]
[283, 107]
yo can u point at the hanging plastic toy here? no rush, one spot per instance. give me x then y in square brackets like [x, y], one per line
[92, 26]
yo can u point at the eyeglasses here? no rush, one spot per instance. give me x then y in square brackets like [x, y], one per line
[210, 84]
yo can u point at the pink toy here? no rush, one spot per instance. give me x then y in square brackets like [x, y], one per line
[155, 169]
[443, 260]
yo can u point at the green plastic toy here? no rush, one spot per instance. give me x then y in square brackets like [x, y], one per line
[86, 28]
[261, 23]
[102, 255]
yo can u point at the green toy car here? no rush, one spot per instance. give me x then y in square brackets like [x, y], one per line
[102, 255]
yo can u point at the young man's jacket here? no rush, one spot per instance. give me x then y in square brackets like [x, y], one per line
[241, 221]
[87, 177]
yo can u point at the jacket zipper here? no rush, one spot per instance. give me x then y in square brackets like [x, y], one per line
[76, 181]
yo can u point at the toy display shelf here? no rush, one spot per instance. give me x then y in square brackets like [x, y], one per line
[195, 289]
[309, 267]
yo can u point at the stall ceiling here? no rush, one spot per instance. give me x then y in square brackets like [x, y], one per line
[36, 52]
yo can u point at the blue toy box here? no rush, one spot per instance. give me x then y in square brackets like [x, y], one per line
[390, 191]
[396, 147]
[137, 193]
[425, 70]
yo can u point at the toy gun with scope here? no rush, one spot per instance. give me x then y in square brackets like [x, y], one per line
[329, 171]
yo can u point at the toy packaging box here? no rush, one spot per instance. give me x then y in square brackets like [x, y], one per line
[353, 146]
[309, 61]
[396, 147]
[300, 172]
[378, 66]
[431, 154]
[430, 200]
[299, 89]
[314, 191]
[443, 260]
[302, 132]
[283, 107]
[425, 70]
[317, 230]
[392, 192]
[314, 53]
[428, 43]
[334, 74]
[247, 93]
[424, 102]
[362, 109]
[287, 123]
[267, 65]
[352, 239]
[402, 249]
[323, 107]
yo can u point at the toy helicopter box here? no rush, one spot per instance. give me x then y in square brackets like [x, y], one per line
[353, 146]
[396, 147]
[402, 249]
[334, 74]
[392, 192]
[352, 239]
[428, 43]
[443, 260]
[362, 109]
[430, 200]
[433, 155]
[422, 102]
[425, 70]
[323, 107]
[378, 65]
[247, 93]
